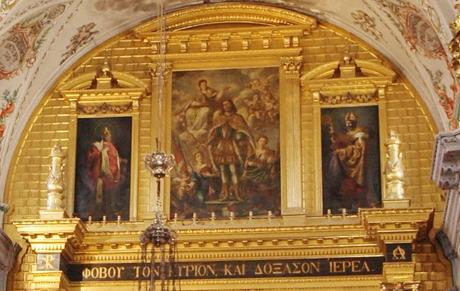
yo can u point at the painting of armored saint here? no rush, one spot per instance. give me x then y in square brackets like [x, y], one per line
[350, 158]
[102, 182]
[225, 138]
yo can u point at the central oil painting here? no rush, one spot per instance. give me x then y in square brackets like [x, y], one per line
[225, 137]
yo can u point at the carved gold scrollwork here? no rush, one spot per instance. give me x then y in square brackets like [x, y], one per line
[349, 98]
[105, 108]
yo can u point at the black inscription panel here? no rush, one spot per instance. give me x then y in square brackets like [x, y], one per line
[231, 269]
[398, 252]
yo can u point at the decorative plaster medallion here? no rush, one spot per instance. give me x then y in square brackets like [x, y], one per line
[20, 45]
[418, 31]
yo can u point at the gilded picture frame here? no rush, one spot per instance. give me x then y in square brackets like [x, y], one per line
[103, 168]
[350, 158]
[226, 140]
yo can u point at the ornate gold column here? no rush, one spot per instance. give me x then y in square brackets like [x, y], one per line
[290, 138]
[53, 242]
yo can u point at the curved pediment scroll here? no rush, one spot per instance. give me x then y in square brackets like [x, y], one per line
[347, 81]
[362, 68]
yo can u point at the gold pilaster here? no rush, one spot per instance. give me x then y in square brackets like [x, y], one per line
[292, 202]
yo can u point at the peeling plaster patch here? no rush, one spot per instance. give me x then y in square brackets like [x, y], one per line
[83, 36]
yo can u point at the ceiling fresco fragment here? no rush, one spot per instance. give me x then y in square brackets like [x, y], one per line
[42, 39]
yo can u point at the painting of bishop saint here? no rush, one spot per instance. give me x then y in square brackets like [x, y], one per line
[225, 138]
[350, 158]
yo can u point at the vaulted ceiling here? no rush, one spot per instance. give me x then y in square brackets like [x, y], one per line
[42, 39]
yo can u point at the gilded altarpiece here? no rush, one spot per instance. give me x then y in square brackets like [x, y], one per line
[296, 245]
[102, 165]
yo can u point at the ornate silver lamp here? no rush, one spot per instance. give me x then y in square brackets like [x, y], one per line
[158, 240]
[158, 237]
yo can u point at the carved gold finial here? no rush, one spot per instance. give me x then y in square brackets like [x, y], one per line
[394, 172]
[55, 183]
[347, 66]
[347, 59]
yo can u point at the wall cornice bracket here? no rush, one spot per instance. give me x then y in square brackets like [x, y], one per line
[446, 160]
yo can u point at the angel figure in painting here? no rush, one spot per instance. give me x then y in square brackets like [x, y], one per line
[199, 112]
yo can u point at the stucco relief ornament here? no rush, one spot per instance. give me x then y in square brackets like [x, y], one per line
[7, 104]
[367, 23]
[84, 35]
[20, 47]
[445, 98]
[416, 29]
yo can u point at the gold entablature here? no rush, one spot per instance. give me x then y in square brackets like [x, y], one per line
[268, 36]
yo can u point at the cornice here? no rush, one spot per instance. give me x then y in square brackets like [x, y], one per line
[446, 160]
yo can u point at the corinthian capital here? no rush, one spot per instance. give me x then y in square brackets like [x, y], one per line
[159, 69]
[292, 65]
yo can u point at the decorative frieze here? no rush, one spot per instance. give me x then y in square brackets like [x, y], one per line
[348, 98]
[104, 108]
